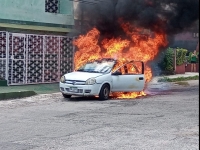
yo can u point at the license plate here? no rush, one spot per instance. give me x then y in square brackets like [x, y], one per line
[73, 89]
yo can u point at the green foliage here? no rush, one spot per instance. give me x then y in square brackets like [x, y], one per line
[189, 57]
[166, 79]
[168, 59]
[181, 56]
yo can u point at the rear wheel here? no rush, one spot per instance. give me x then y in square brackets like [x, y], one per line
[104, 92]
[66, 96]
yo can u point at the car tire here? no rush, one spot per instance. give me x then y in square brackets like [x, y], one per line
[104, 92]
[66, 96]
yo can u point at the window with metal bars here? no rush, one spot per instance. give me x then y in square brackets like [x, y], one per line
[52, 6]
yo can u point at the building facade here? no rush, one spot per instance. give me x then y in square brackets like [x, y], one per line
[37, 15]
[34, 46]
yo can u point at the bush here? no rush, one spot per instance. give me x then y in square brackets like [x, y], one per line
[167, 63]
[168, 59]
[181, 56]
[189, 57]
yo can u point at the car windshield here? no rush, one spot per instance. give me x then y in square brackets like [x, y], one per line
[98, 66]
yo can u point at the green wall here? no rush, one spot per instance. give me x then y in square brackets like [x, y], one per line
[34, 11]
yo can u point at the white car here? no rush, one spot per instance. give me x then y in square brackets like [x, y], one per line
[103, 77]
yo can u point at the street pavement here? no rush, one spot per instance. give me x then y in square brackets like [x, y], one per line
[20, 91]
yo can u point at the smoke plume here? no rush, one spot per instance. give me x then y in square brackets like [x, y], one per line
[169, 16]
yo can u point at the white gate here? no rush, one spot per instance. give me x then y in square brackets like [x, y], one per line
[33, 59]
[16, 57]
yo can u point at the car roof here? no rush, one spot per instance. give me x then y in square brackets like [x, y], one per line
[103, 59]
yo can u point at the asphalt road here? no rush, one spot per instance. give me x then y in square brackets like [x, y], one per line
[166, 119]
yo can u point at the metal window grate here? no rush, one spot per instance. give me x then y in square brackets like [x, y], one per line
[52, 6]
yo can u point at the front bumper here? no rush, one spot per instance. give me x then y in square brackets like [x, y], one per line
[80, 90]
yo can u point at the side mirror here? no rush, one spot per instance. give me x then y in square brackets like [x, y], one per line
[117, 73]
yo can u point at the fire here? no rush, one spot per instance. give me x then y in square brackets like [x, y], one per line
[129, 95]
[88, 48]
[140, 45]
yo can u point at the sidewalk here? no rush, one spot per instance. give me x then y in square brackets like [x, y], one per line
[187, 74]
[19, 91]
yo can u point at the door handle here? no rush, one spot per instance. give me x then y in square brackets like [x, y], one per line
[141, 78]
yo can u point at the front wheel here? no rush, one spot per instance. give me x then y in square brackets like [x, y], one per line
[104, 92]
[66, 96]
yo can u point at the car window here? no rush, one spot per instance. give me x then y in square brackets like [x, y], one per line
[98, 66]
[131, 68]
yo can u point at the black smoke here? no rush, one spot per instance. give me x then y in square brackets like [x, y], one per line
[169, 16]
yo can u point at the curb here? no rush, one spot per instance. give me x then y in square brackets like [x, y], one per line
[14, 95]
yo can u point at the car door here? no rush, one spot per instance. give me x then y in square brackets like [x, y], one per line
[129, 77]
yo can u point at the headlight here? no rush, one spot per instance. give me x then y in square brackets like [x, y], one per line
[62, 79]
[90, 81]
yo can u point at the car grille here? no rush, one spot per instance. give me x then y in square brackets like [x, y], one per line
[75, 82]
[78, 90]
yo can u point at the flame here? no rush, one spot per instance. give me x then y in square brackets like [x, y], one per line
[139, 45]
[88, 48]
[128, 95]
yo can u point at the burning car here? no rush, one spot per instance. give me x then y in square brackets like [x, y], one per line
[102, 77]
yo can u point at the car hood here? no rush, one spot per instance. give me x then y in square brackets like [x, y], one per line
[82, 76]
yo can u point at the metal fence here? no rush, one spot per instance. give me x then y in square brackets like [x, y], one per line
[33, 59]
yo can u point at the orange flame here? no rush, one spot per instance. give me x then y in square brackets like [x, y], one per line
[128, 95]
[140, 45]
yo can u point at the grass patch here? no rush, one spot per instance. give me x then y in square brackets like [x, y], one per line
[38, 88]
[19, 94]
[166, 79]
